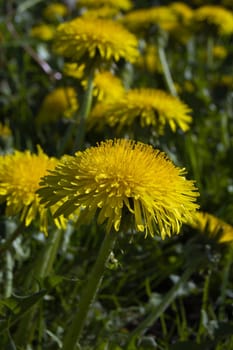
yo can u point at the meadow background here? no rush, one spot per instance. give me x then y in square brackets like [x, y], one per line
[171, 294]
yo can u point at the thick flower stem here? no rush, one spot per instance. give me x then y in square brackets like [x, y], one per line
[167, 300]
[88, 294]
[166, 71]
[41, 268]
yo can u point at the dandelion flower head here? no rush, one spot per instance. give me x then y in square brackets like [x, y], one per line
[216, 17]
[55, 11]
[97, 39]
[142, 19]
[119, 177]
[43, 32]
[220, 51]
[20, 175]
[212, 226]
[149, 59]
[181, 28]
[74, 70]
[5, 131]
[182, 11]
[225, 81]
[149, 107]
[107, 86]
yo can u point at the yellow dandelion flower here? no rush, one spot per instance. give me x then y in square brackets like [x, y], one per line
[55, 11]
[188, 86]
[122, 177]
[149, 107]
[141, 19]
[212, 226]
[120, 4]
[20, 175]
[226, 81]
[62, 102]
[219, 51]
[97, 38]
[107, 86]
[182, 11]
[5, 131]
[43, 32]
[74, 70]
[215, 17]
[180, 29]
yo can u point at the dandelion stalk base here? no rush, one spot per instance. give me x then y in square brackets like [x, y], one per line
[89, 293]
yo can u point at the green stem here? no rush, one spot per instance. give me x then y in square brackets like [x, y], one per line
[157, 312]
[210, 46]
[166, 70]
[191, 51]
[40, 269]
[192, 149]
[204, 307]
[89, 292]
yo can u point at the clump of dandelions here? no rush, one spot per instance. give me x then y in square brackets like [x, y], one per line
[121, 178]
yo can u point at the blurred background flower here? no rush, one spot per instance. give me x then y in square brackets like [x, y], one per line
[43, 32]
[212, 226]
[20, 175]
[144, 107]
[213, 20]
[55, 11]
